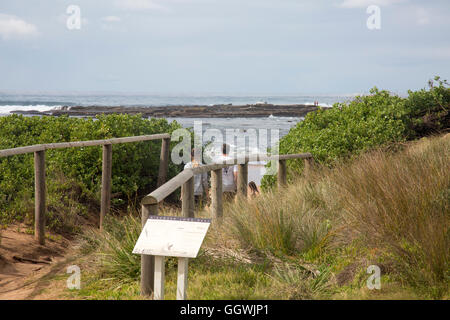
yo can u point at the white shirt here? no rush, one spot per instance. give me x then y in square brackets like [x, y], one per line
[200, 180]
[228, 184]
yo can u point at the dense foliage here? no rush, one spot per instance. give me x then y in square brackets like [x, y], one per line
[74, 174]
[349, 128]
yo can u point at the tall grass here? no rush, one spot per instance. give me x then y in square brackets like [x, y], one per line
[396, 203]
[114, 247]
[401, 203]
[279, 225]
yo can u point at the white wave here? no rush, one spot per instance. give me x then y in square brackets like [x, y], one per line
[325, 105]
[284, 118]
[39, 107]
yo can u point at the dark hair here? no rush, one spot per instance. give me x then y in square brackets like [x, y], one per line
[253, 187]
[192, 152]
[225, 148]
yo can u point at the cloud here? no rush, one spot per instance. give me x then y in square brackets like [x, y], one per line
[62, 18]
[366, 3]
[111, 19]
[423, 16]
[420, 16]
[139, 5]
[12, 26]
[110, 23]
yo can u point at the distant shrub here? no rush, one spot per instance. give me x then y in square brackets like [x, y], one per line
[74, 174]
[428, 110]
[381, 118]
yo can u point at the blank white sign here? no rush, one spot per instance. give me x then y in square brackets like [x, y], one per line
[172, 236]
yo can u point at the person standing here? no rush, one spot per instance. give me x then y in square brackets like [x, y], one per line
[229, 174]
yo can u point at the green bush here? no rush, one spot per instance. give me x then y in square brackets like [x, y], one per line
[74, 174]
[350, 128]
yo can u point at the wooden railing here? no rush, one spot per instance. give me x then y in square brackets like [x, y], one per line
[39, 171]
[185, 180]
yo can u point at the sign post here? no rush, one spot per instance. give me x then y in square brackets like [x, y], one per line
[182, 278]
[171, 237]
[158, 290]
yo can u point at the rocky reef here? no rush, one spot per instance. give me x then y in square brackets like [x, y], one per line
[216, 111]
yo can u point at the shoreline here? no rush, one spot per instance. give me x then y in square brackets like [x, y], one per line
[182, 111]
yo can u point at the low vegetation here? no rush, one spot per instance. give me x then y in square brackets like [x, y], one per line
[389, 209]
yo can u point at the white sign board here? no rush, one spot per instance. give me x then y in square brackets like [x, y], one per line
[172, 236]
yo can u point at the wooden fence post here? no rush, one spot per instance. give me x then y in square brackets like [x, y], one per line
[187, 199]
[242, 180]
[147, 261]
[39, 196]
[160, 275]
[309, 164]
[106, 183]
[216, 194]
[182, 278]
[282, 173]
[163, 161]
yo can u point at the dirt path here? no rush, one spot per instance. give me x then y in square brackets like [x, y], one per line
[27, 268]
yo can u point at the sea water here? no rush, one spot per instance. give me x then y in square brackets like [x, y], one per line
[273, 126]
[10, 102]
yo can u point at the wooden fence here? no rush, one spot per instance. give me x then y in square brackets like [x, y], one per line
[39, 171]
[185, 180]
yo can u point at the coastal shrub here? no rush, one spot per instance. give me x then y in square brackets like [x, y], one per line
[74, 174]
[428, 110]
[366, 122]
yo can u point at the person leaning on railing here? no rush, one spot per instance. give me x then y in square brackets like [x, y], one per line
[201, 187]
[229, 174]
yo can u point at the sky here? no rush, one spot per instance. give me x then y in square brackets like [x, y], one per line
[223, 46]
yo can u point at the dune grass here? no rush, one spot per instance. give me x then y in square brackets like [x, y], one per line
[313, 239]
[397, 204]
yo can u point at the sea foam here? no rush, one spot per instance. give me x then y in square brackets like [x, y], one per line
[7, 109]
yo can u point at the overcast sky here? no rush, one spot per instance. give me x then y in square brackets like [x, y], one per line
[223, 46]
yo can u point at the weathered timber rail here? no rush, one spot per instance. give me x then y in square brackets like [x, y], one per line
[39, 171]
[185, 180]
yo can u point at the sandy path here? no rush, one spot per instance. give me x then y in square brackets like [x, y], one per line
[22, 279]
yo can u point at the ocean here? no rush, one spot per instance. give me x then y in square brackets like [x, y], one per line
[42, 102]
[10, 102]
